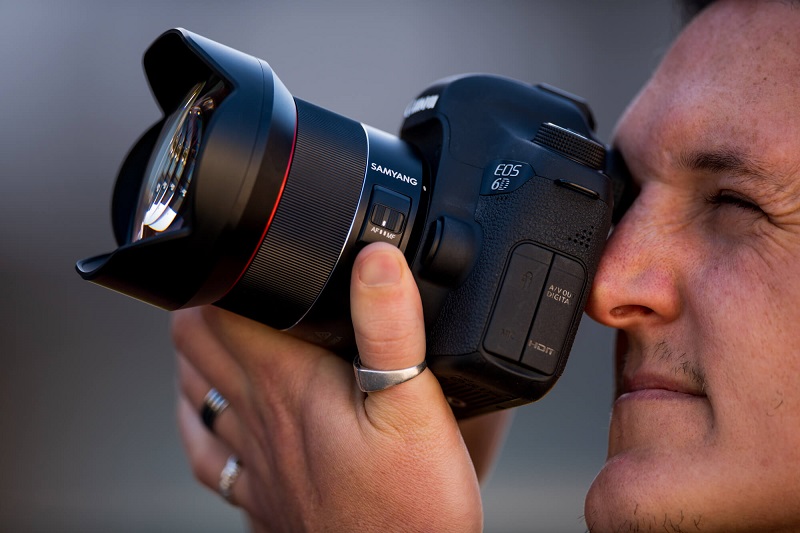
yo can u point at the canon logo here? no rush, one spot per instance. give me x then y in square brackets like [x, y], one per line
[423, 103]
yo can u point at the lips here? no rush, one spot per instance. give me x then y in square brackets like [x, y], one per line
[657, 366]
[643, 381]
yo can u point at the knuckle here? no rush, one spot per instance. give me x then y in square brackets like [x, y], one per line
[395, 314]
[390, 326]
[389, 336]
[196, 467]
[182, 325]
[183, 381]
[187, 323]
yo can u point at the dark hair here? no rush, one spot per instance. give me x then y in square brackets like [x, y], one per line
[690, 8]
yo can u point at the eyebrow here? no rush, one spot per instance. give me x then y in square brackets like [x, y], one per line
[724, 161]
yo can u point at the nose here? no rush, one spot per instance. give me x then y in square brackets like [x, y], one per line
[637, 281]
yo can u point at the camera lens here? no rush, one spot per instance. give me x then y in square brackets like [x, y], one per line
[260, 200]
[161, 204]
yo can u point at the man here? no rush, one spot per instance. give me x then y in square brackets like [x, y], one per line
[699, 277]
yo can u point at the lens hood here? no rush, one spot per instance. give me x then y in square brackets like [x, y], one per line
[240, 169]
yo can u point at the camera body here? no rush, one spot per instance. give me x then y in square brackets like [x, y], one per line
[520, 179]
[496, 191]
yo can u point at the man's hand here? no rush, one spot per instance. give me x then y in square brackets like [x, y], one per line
[317, 453]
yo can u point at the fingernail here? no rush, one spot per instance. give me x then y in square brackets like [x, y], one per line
[380, 268]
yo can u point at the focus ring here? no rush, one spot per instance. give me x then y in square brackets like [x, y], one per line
[311, 223]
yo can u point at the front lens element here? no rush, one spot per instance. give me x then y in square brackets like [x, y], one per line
[162, 204]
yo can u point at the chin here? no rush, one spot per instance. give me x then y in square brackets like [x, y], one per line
[684, 491]
[634, 492]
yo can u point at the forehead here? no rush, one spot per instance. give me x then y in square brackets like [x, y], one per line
[731, 78]
[744, 46]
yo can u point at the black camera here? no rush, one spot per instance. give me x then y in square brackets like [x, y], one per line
[253, 200]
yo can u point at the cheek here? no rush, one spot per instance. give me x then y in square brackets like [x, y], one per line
[742, 306]
[746, 321]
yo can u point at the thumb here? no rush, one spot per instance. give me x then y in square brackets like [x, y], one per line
[390, 332]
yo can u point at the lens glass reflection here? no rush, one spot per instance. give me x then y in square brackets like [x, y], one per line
[162, 205]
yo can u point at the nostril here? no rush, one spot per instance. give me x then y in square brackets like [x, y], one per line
[626, 311]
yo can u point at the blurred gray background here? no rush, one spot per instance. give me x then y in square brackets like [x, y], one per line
[87, 434]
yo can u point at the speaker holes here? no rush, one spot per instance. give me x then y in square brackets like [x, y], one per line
[583, 237]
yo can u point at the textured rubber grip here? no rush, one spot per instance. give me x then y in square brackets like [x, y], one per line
[573, 145]
[311, 224]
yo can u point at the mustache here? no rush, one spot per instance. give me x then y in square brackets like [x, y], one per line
[679, 362]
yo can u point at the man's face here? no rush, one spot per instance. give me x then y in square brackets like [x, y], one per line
[703, 277]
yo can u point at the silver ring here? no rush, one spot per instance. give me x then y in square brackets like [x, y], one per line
[377, 380]
[228, 476]
[213, 404]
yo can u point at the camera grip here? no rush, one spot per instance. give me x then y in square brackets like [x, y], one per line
[568, 226]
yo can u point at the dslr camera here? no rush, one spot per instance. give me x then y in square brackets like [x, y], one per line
[248, 198]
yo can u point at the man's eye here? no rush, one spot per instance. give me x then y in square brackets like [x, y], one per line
[734, 199]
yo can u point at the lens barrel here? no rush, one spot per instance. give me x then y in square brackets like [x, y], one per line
[311, 224]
